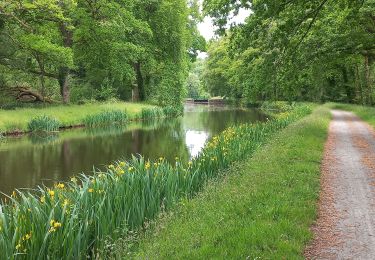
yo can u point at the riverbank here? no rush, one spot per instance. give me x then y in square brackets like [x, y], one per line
[98, 209]
[264, 207]
[16, 121]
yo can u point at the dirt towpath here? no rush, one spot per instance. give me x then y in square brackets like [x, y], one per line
[346, 224]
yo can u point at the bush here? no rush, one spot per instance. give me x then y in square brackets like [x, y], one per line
[106, 118]
[43, 123]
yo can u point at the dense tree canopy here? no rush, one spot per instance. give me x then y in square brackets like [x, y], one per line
[195, 83]
[136, 49]
[298, 50]
[142, 49]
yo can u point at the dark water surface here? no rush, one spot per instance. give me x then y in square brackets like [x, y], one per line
[28, 161]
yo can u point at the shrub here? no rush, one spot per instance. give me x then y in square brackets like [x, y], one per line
[43, 123]
[106, 118]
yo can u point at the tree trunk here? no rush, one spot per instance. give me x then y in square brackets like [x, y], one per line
[64, 84]
[138, 90]
[135, 93]
[368, 79]
[349, 92]
[41, 76]
[358, 84]
[67, 36]
[25, 94]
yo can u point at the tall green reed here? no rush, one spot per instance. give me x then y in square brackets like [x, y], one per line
[110, 117]
[72, 220]
[157, 112]
[150, 113]
[170, 111]
[43, 123]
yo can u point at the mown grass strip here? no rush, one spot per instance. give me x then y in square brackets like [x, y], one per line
[262, 210]
[73, 220]
[102, 115]
[17, 120]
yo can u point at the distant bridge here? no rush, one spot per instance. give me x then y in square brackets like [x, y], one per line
[206, 101]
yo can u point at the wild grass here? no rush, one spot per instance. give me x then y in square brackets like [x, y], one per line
[281, 106]
[149, 113]
[43, 124]
[74, 220]
[111, 117]
[152, 113]
[18, 119]
[173, 111]
[262, 209]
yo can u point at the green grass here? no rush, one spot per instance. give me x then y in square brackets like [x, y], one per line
[43, 124]
[148, 113]
[79, 218]
[13, 120]
[366, 113]
[173, 111]
[110, 117]
[281, 106]
[169, 111]
[262, 209]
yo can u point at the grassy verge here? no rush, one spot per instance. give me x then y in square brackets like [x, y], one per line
[366, 113]
[262, 210]
[76, 219]
[17, 120]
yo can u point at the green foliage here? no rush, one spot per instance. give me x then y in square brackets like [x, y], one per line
[152, 113]
[73, 219]
[59, 45]
[300, 50]
[173, 111]
[217, 69]
[168, 111]
[106, 118]
[43, 123]
[195, 84]
[280, 106]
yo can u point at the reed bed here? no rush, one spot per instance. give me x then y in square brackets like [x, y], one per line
[150, 113]
[173, 111]
[43, 124]
[157, 112]
[76, 219]
[110, 117]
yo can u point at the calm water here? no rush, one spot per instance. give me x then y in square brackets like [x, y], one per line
[31, 160]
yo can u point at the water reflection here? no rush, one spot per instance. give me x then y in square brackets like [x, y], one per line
[195, 141]
[30, 160]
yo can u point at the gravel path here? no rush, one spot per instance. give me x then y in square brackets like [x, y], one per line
[346, 224]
